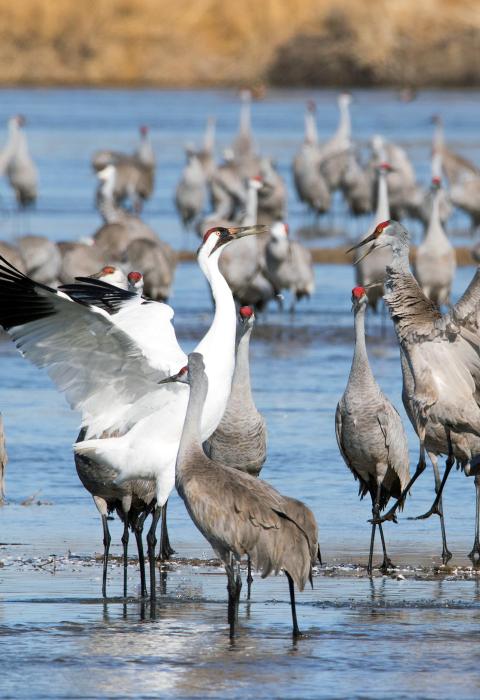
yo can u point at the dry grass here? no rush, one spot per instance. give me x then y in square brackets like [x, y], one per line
[217, 42]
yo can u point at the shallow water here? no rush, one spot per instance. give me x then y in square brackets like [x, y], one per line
[411, 633]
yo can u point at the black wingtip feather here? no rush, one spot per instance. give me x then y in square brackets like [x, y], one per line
[95, 292]
[20, 301]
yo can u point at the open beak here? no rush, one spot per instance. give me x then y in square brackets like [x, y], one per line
[231, 234]
[369, 238]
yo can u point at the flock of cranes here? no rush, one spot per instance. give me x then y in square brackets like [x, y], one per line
[153, 418]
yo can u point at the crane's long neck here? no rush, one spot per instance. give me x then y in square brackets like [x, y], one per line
[383, 207]
[241, 386]
[438, 136]
[220, 337]
[191, 440]
[110, 212]
[145, 152]
[250, 218]
[209, 136]
[360, 364]
[435, 224]
[344, 129]
[311, 133]
[245, 117]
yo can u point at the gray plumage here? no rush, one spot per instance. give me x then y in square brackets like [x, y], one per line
[335, 151]
[42, 259]
[272, 195]
[190, 194]
[370, 271]
[357, 186]
[12, 254]
[441, 363]
[18, 165]
[158, 272]
[238, 514]
[240, 440]
[289, 264]
[435, 262]
[79, 260]
[369, 430]
[3, 461]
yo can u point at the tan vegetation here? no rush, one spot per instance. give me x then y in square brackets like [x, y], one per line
[232, 42]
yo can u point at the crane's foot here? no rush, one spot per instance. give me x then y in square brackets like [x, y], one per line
[446, 555]
[389, 515]
[434, 510]
[386, 565]
[474, 555]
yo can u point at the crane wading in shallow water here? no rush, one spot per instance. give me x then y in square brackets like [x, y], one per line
[441, 367]
[238, 514]
[370, 434]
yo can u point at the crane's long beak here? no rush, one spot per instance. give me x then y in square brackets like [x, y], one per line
[179, 377]
[369, 238]
[231, 234]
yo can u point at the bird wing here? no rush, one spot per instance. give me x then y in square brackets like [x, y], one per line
[395, 441]
[362, 486]
[147, 322]
[100, 368]
[466, 312]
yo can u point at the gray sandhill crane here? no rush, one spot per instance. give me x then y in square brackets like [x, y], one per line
[121, 228]
[463, 175]
[456, 167]
[357, 186]
[435, 262]
[3, 461]
[404, 193]
[272, 196]
[42, 259]
[334, 152]
[18, 165]
[309, 183]
[243, 265]
[442, 362]
[444, 206]
[289, 264]
[227, 191]
[238, 514]
[157, 270]
[370, 434]
[243, 145]
[135, 282]
[190, 194]
[206, 154]
[370, 271]
[240, 440]
[12, 253]
[78, 260]
[135, 173]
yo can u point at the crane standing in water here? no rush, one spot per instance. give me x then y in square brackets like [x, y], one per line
[238, 514]
[370, 434]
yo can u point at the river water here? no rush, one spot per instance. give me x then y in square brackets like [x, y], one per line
[409, 634]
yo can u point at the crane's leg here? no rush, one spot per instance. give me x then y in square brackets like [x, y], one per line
[151, 543]
[421, 466]
[387, 562]
[125, 554]
[295, 630]
[106, 548]
[475, 553]
[319, 555]
[166, 550]
[375, 514]
[249, 577]
[232, 595]
[448, 466]
[138, 531]
[446, 553]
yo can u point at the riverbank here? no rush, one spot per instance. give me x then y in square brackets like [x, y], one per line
[213, 43]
